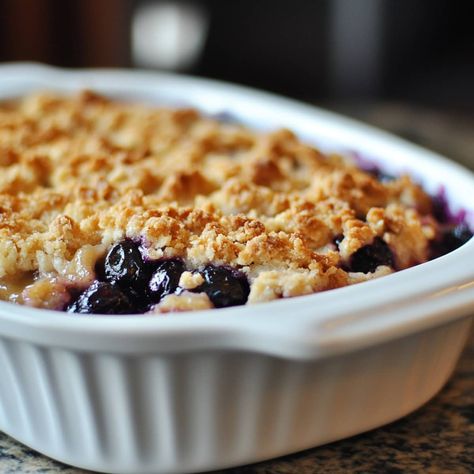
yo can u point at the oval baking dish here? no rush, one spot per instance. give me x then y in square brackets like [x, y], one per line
[212, 389]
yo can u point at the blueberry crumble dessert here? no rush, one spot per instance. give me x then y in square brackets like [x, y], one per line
[116, 208]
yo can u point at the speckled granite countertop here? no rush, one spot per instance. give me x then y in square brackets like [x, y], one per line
[436, 439]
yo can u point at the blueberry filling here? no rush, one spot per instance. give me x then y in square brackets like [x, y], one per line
[165, 279]
[101, 298]
[126, 283]
[369, 257]
[224, 286]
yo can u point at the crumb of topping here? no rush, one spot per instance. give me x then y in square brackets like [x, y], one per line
[47, 293]
[186, 301]
[356, 235]
[359, 277]
[405, 236]
[190, 280]
[273, 284]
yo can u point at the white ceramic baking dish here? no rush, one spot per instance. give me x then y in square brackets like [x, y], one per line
[211, 389]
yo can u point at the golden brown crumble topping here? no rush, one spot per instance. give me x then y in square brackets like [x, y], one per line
[81, 173]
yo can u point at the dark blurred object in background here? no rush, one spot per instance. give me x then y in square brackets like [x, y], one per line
[418, 51]
[71, 33]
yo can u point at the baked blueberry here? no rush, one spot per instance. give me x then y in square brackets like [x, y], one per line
[124, 266]
[225, 117]
[101, 298]
[385, 177]
[224, 286]
[338, 239]
[369, 257]
[380, 175]
[440, 209]
[139, 299]
[165, 279]
[461, 234]
[451, 239]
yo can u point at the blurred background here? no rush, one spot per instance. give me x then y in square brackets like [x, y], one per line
[407, 65]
